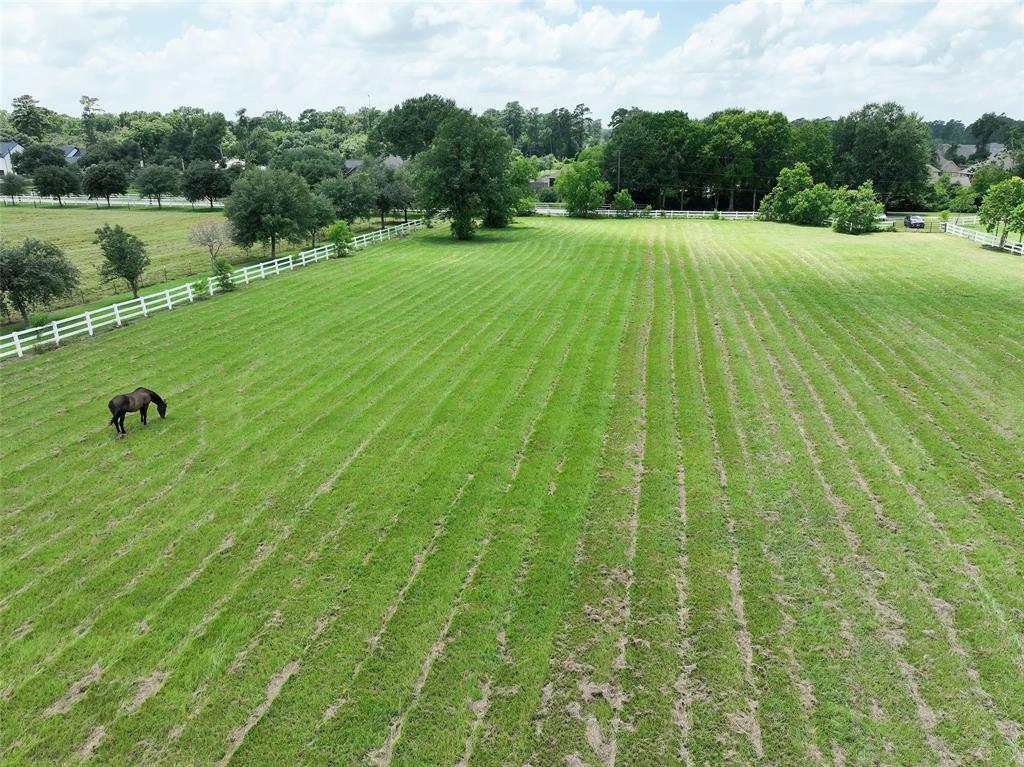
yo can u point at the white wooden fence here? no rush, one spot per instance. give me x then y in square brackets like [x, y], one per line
[115, 201]
[115, 315]
[984, 238]
[550, 210]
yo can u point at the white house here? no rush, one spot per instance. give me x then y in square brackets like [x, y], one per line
[7, 151]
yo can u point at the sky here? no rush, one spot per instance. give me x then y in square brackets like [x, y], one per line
[942, 58]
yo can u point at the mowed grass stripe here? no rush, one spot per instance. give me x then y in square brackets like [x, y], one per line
[861, 481]
[424, 569]
[241, 550]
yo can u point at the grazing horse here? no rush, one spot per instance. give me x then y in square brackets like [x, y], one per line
[129, 403]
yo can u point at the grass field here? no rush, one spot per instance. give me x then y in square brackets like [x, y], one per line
[578, 493]
[165, 233]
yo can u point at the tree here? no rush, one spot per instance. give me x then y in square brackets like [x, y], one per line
[986, 177]
[778, 204]
[884, 144]
[33, 272]
[90, 109]
[124, 256]
[1003, 207]
[964, 201]
[409, 128]
[104, 180]
[351, 196]
[203, 181]
[984, 128]
[53, 181]
[812, 144]
[38, 156]
[313, 163]
[28, 117]
[13, 186]
[156, 181]
[581, 187]
[854, 210]
[321, 214]
[267, 206]
[340, 234]
[622, 201]
[459, 172]
[812, 207]
[214, 235]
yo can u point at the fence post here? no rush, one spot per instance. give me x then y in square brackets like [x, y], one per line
[56, 333]
[117, 315]
[167, 293]
[189, 288]
[209, 284]
[291, 264]
[88, 322]
[263, 272]
[277, 266]
[17, 344]
[145, 311]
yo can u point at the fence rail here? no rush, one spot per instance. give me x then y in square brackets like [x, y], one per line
[550, 210]
[115, 315]
[116, 201]
[984, 238]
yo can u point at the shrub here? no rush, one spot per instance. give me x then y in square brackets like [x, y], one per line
[715, 215]
[812, 207]
[854, 210]
[200, 290]
[223, 275]
[622, 201]
[340, 234]
[549, 194]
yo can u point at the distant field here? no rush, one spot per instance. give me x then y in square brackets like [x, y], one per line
[165, 233]
[640, 492]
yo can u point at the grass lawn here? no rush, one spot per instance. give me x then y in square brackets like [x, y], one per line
[165, 233]
[648, 492]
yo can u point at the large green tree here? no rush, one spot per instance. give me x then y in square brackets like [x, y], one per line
[313, 163]
[38, 156]
[409, 128]
[104, 180]
[581, 188]
[888, 146]
[778, 204]
[854, 210]
[1002, 209]
[352, 196]
[124, 256]
[268, 206]
[156, 181]
[57, 181]
[33, 272]
[28, 117]
[13, 186]
[811, 143]
[458, 173]
[203, 181]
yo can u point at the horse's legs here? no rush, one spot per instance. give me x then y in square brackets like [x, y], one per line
[143, 410]
[120, 422]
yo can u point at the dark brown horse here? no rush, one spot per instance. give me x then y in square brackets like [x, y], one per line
[139, 399]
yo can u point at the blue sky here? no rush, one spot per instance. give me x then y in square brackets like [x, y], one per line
[942, 58]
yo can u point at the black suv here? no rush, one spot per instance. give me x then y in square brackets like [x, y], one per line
[913, 222]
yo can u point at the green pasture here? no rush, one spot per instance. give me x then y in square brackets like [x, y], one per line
[631, 492]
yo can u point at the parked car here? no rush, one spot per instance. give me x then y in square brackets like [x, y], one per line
[913, 222]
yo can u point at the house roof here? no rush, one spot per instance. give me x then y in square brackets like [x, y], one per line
[72, 154]
[6, 147]
[391, 161]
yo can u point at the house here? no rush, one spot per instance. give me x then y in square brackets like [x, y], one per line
[391, 161]
[956, 173]
[7, 151]
[544, 181]
[72, 154]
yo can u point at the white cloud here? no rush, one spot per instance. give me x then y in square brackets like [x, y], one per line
[945, 58]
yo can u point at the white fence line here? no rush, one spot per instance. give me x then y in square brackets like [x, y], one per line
[115, 315]
[984, 238]
[115, 201]
[548, 210]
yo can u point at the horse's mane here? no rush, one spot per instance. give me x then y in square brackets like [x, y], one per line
[155, 397]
